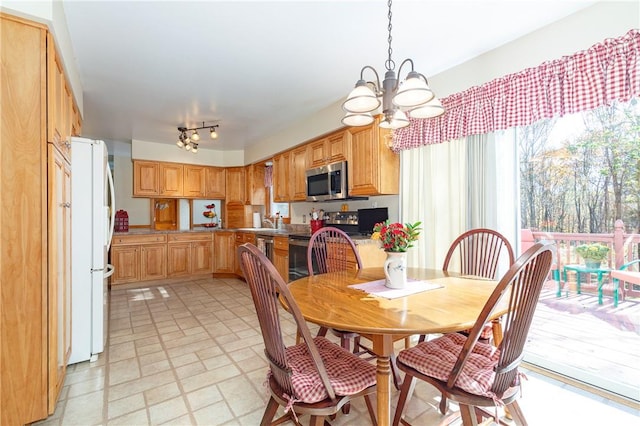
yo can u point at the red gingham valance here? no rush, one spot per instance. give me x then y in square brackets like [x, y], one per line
[605, 73]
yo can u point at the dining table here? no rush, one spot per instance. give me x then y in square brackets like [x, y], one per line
[433, 301]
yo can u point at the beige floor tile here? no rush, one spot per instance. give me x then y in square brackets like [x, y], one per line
[240, 395]
[135, 386]
[203, 397]
[126, 405]
[218, 413]
[139, 417]
[168, 410]
[209, 378]
[123, 371]
[121, 351]
[190, 370]
[180, 360]
[84, 410]
[149, 369]
[161, 393]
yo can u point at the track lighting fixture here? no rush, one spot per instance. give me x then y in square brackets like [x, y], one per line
[189, 143]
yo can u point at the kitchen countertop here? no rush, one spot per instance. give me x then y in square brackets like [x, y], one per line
[358, 239]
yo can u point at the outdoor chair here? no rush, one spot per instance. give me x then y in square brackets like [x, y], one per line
[627, 275]
[315, 377]
[477, 374]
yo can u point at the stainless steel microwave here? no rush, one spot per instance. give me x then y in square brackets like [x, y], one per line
[327, 182]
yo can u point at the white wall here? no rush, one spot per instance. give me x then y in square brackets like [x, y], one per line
[144, 150]
[138, 209]
[576, 32]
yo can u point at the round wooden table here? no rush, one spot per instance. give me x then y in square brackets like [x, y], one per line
[328, 300]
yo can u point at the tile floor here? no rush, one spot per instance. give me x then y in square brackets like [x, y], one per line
[191, 352]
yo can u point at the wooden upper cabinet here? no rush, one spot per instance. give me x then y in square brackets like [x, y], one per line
[194, 181]
[255, 192]
[281, 183]
[146, 178]
[330, 149]
[171, 179]
[215, 182]
[235, 187]
[299, 167]
[373, 168]
[59, 101]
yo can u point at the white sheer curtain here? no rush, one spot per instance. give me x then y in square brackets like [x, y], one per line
[458, 185]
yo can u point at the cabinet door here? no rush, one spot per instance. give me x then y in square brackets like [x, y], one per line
[364, 168]
[194, 181]
[223, 253]
[59, 307]
[179, 259]
[202, 257]
[299, 167]
[57, 101]
[126, 264]
[216, 182]
[318, 153]
[255, 190]
[235, 187]
[337, 146]
[281, 183]
[281, 256]
[171, 179]
[146, 178]
[153, 260]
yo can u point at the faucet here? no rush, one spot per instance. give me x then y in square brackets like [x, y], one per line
[268, 222]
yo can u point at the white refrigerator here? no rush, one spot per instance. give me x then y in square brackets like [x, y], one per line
[92, 220]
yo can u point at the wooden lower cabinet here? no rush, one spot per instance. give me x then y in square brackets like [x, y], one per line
[223, 252]
[189, 254]
[138, 258]
[240, 239]
[281, 256]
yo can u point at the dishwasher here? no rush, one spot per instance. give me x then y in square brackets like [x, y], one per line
[265, 245]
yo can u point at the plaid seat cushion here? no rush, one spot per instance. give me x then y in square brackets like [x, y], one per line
[437, 357]
[348, 374]
[486, 334]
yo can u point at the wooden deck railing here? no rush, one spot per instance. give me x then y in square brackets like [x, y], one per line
[623, 248]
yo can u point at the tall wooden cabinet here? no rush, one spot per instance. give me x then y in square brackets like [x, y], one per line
[36, 107]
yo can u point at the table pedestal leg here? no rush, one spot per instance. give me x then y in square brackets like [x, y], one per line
[383, 347]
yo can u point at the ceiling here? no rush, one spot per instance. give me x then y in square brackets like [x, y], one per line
[255, 68]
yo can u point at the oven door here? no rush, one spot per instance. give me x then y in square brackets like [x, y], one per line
[298, 246]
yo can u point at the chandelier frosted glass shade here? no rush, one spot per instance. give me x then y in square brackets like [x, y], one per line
[357, 119]
[413, 91]
[431, 109]
[361, 99]
[396, 121]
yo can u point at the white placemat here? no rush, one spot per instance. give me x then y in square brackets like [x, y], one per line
[377, 288]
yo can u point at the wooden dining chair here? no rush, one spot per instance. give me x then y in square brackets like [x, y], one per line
[332, 250]
[316, 377]
[477, 374]
[478, 252]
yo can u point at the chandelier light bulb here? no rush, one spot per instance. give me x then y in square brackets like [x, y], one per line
[188, 147]
[195, 148]
[195, 136]
[190, 142]
[180, 143]
[213, 134]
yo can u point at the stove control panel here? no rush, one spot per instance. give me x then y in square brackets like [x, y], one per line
[342, 218]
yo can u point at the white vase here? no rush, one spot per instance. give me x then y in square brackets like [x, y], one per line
[395, 269]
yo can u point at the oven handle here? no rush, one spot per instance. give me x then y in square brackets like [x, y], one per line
[301, 243]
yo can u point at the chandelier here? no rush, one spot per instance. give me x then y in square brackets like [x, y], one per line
[190, 142]
[412, 95]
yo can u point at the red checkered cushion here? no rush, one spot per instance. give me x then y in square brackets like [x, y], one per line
[486, 334]
[437, 357]
[348, 374]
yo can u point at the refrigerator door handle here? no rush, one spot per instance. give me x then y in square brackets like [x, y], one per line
[112, 207]
[109, 271]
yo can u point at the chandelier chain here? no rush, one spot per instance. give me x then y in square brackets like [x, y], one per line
[390, 65]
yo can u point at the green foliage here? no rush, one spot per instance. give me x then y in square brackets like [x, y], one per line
[596, 252]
